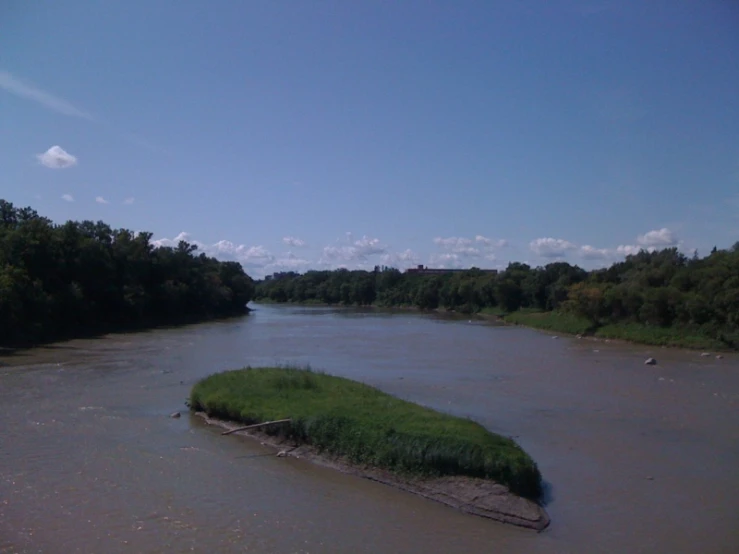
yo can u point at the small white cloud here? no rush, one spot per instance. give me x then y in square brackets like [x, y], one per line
[57, 158]
[551, 248]
[446, 260]
[591, 253]
[289, 262]
[293, 241]
[470, 248]
[184, 235]
[658, 238]
[629, 249]
[401, 260]
[369, 247]
[130, 200]
[68, 197]
[492, 243]
[452, 243]
[356, 251]
[333, 253]
[101, 200]
[255, 255]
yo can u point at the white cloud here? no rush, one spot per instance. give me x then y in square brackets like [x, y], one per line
[624, 250]
[500, 243]
[658, 238]
[130, 200]
[446, 260]
[453, 243]
[462, 251]
[254, 255]
[356, 251]
[591, 253]
[13, 85]
[462, 244]
[293, 241]
[369, 247]
[257, 260]
[57, 158]
[101, 200]
[184, 235]
[401, 260]
[68, 197]
[288, 262]
[469, 251]
[551, 248]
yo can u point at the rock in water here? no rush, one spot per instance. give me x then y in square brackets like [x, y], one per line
[650, 361]
[705, 354]
[175, 415]
[719, 357]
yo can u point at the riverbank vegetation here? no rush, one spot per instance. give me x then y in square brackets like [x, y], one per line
[661, 297]
[78, 278]
[366, 426]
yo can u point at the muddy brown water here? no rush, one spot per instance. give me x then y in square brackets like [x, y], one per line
[636, 458]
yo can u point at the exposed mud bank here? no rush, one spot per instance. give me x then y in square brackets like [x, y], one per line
[480, 497]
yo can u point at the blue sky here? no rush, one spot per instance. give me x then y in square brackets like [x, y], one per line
[295, 135]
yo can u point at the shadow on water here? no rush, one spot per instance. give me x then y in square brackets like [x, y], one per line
[547, 493]
[57, 343]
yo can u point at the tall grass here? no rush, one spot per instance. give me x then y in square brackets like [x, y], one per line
[660, 336]
[678, 336]
[551, 321]
[366, 426]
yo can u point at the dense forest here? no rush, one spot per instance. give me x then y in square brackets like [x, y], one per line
[655, 290]
[58, 281]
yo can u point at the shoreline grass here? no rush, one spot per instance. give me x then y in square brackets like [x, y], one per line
[365, 426]
[561, 322]
[551, 321]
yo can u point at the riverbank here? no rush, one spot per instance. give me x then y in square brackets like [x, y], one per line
[361, 430]
[151, 325]
[569, 324]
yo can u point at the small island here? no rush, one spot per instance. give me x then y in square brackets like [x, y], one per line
[358, 429]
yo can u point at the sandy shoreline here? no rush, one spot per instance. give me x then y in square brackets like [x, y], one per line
[480, 497]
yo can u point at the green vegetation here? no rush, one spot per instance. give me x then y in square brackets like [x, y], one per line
[660, 297]
[352, 420]
[685, 337]
[562, 322]
[59, 281]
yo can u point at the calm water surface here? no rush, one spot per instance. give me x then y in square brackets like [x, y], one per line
[636, 458]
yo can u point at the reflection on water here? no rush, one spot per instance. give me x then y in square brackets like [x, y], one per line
[637, 459]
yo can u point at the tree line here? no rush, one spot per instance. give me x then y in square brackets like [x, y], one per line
[664, 288]
[58, 281]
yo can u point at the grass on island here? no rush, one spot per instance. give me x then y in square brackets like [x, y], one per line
[366, 426]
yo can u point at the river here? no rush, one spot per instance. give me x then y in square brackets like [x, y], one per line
[636, 458]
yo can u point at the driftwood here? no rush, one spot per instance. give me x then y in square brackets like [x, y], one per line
[255, 426]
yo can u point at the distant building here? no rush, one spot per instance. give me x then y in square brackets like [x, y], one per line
[421, 270]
